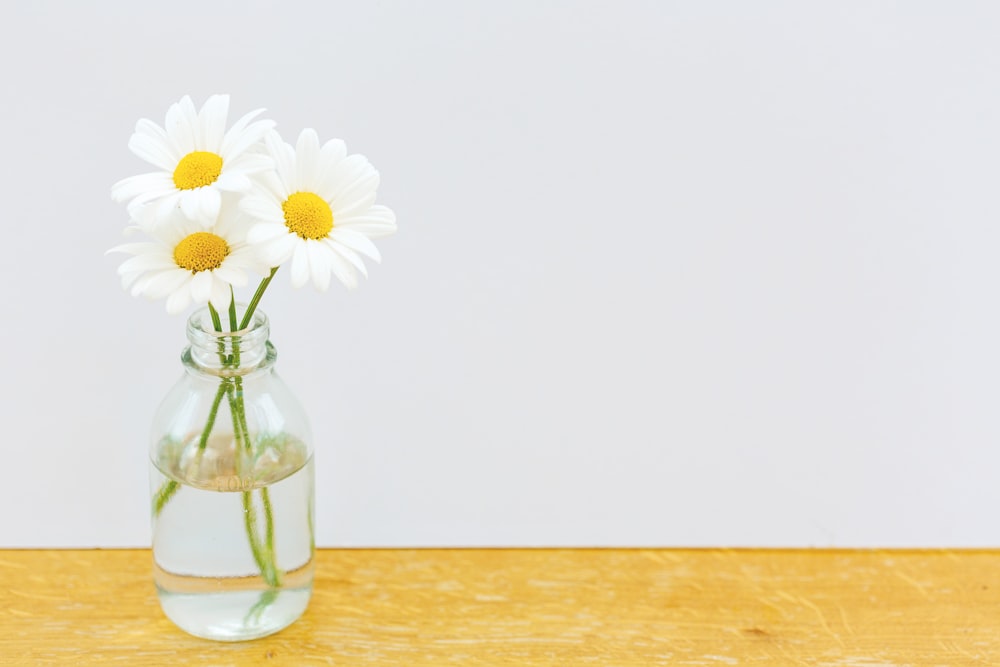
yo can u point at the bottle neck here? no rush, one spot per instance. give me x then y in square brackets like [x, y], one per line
[227, 353]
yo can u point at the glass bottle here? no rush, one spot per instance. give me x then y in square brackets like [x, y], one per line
[232, 486]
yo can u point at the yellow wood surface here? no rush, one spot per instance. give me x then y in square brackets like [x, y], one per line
[535, 607]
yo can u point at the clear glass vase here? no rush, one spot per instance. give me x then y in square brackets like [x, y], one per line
[232, 485]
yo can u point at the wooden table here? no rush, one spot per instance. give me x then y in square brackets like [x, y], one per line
[535, 607]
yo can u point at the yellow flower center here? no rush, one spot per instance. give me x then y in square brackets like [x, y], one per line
[197, 169]
[201, 251]
[308, 215]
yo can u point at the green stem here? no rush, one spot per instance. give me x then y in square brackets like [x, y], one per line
[232, 309]
[216, 322]
[250, 521]
[217, 325]
[264, 554]
[256, 299]
[241, 412]
[312, 529]
[268, 526]
[210, 423]
[267, 598]
[238, 433]
[163, 495]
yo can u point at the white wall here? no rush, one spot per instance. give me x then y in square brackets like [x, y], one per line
[667, 273]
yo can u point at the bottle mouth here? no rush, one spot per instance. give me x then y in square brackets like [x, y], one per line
[243, 348]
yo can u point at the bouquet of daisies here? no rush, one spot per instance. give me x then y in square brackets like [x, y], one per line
[227, 202]
[224, 203]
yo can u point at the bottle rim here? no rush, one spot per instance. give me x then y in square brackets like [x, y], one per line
[207, 344]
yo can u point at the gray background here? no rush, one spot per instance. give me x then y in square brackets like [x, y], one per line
[667, 273]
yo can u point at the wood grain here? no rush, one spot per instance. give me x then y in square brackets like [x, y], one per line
[535, 607]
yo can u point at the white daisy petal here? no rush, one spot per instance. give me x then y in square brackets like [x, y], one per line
[266, 231]
[319, 264]
[135, 186]
[201, 286]
[306, 159]
[232, 276]
[271, 186]
[190, 115]
[128, 279]
[190, 204]
[172, 126]
[300, 265]
[153, 151]
[141, 201]
[147, 214]
[179, 129]
[147, 262]
[352, 169]
[166, 282]
[344, 174]
[209, 202]
[351, 257]
[353, 205]
[233, 182]
[278, 251]
[154, 132]
[248, 163]
[136, 284]
[179, 300]
[242, 260]
[167, 207]
[331, 154]
[231, 223]
[221, 294]
[343, 270]
[377, 221]
[356, 241]
[263, 209]
[213, 122]
[140, 282]
[236, 131]
[172, 230]
[284, 160]
[247, 139]
[366, 183]
[135, 248]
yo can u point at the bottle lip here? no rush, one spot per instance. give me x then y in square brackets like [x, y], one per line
[201, 330]
[208, 346]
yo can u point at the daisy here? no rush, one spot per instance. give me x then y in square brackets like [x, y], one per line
[185, 262]
[317, 208]
[197, 157]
